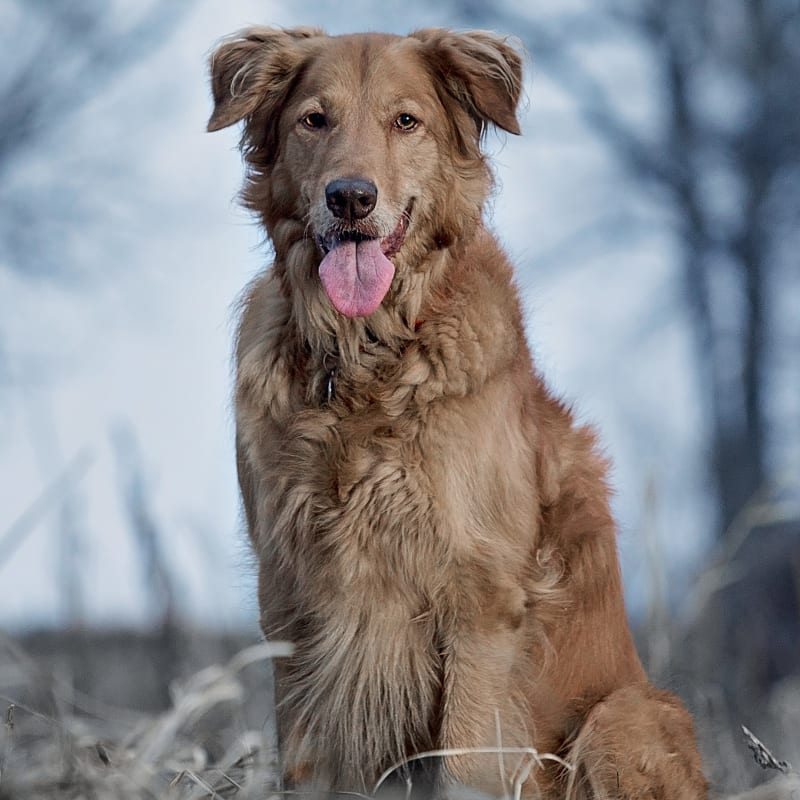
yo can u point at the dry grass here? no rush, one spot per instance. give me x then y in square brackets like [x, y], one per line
[116, 754]
[61, 744]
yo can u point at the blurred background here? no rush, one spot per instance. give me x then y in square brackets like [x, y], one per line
[652, 206]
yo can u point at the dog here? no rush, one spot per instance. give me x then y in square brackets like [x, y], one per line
[432, 527]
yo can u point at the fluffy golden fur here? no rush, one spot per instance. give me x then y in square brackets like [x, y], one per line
[433, 530]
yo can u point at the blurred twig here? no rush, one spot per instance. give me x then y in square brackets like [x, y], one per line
[158, 576]
[7, 740]
[761, 510]
[762, 755]
[49, 497]
[659, 627]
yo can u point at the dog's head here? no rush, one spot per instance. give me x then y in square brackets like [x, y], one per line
[367, 145]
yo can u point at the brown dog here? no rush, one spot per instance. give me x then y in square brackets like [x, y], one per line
[433, 531]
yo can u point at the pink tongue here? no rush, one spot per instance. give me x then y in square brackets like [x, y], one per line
[356, 277]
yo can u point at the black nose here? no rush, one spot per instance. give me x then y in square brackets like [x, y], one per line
[351, 198]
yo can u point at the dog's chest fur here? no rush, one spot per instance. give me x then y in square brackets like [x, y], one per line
[383, 539]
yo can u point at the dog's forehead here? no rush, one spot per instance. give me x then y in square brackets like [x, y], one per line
[356, 63]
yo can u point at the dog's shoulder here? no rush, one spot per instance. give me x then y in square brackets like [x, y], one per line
[474, 325]
[263, 315]
[265, 346]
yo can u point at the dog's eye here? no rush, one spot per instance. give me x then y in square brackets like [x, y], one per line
[314, 120]
[405, 122]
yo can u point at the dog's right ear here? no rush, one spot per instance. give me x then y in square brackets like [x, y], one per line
[253, 67]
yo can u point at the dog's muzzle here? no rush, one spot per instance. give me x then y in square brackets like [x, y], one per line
[356, 271]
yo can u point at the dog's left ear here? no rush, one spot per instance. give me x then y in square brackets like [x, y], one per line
[481, 70]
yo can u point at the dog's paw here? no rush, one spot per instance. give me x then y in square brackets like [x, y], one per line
[637, 744]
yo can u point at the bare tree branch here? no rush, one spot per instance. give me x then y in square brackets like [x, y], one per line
[69, 54]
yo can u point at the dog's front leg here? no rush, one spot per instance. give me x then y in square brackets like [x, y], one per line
[480, 711]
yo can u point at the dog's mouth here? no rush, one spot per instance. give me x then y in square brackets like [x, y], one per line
[356, 271]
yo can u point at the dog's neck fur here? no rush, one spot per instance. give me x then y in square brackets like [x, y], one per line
[385, 361]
